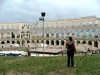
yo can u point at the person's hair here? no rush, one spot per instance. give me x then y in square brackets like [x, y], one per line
[70, 38]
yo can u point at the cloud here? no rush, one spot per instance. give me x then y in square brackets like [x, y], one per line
[30, 10]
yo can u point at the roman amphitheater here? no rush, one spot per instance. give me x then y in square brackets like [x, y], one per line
[56, 32]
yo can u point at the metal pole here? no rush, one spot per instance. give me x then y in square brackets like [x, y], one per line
[35, 37]
[43, 36]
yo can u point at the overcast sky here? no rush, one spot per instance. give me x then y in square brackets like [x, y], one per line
[30, 10]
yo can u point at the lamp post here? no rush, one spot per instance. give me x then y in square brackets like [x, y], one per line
[35, 37]
[42, 19]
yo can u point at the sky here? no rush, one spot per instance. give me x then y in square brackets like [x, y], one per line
[30, 10]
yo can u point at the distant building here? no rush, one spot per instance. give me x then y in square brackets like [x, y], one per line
[56, 32]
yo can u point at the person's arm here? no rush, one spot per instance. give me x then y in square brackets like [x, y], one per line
[74, 47]
[66, 44]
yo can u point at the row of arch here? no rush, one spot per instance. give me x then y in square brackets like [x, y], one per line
[68, 23]
[57, 42]
[79, 31]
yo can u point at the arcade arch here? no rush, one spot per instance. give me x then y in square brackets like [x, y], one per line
[62, 42]
[18, 42]
[78, 42]
[8, 41]
[95, 44]
[2, 42]
[57, 42]
[52, 42]
[84, 42]
[13, 42]
[90, 42]
[23, 42]
[47, 41]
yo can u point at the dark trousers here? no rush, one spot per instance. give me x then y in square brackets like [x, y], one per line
[70, 57]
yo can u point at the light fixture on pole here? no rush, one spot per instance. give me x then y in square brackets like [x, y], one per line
[42, 19]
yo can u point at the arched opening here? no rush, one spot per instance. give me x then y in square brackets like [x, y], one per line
[2, 42]
[8, 41]
[95, 44]
[52, 42]
[13, 35]
[84, 42]
[18, 42]
[21, 36]
[28, 41]
[47, 34]
[37, 41]
[90, 43]
[23, 42]
[78, 42]
[32, 41]
[57, 42]
[57, 33]
[90, 32]
[47, 42]
[18, 36]
[52, 33]
[13, 42]
[84, 32]
[41, 41]
[62, 42]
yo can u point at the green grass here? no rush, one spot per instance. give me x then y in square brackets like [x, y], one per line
[85, 65]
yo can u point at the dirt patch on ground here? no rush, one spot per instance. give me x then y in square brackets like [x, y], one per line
[52, 73]
[65, 71]
[16, 73]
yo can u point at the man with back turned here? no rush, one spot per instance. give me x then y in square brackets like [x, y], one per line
[70, 52]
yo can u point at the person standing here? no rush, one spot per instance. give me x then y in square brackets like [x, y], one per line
[28, 52]
[71, 49]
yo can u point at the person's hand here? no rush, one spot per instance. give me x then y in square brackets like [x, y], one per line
[75, 52]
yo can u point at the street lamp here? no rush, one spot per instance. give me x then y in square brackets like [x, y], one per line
[42, 19]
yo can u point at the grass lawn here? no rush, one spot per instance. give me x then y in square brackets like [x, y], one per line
[85, 65]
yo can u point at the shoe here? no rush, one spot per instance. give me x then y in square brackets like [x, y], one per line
[73, 66]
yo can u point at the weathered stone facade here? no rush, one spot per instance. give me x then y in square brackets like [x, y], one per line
[11, 33]
[56, 32]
